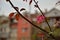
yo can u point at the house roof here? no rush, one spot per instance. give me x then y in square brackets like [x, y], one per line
[53, 9]
[53, 13]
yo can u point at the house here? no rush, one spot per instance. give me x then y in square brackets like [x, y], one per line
[52, 15]
[4, 27]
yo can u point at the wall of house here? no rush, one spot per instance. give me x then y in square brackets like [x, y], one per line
[24, 30]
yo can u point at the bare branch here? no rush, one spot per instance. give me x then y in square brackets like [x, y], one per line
[31, 22]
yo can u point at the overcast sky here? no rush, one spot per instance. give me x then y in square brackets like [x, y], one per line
[5, 7]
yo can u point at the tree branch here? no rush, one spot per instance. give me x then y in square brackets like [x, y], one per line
[31, 22]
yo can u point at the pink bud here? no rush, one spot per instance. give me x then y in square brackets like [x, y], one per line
[40, 19]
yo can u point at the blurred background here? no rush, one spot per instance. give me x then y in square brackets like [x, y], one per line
[19, 29]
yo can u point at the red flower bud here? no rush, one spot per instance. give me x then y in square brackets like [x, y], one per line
[11, 15]
[17, 16]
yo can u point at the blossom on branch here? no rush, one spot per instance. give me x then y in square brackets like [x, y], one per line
[40, 19]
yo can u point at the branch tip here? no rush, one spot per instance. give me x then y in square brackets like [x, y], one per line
[7, 0]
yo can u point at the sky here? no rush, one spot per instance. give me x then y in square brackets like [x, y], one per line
[6, 9]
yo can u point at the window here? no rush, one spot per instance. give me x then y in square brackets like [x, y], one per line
[24, 29]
